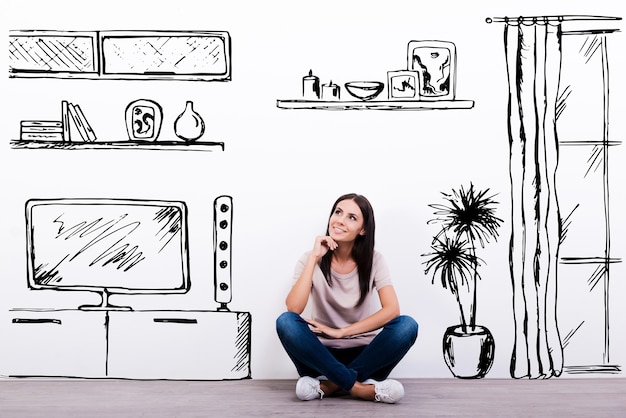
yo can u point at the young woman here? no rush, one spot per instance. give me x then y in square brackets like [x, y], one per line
[345, 346]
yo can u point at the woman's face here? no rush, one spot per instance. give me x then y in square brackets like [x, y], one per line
[346, 222]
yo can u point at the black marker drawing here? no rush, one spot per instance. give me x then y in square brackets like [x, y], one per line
[435, 62]
[364, 90]
[467, 219]
[124, 250]
[311, 86]
[44, 130]
[331, 91]
[72, 123]
[537, 58]
[121, 55]
[107, 246]
[403, 84]
[142, 118]
[189, 125]
[124, 247]
[222, 250]
[428, 83]
[586, 255]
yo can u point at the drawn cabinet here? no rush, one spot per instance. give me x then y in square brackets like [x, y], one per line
[67, 343]
[176, 55]
[186, 345]
[183, 345]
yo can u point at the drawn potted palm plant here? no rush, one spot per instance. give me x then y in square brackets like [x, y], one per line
[467, 219]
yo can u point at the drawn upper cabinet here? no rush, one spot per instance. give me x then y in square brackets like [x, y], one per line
[122, 55]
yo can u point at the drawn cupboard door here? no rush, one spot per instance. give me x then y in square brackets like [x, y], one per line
[169, 55]
[56, 343]
[53, 54]
[186, 345]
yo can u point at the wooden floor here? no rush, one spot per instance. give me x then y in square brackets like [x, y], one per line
[276, 398]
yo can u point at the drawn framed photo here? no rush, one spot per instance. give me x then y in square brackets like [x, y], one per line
[143, 120]
[436, 63]
[403, 85]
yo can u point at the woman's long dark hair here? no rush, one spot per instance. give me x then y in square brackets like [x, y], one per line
[363, 250]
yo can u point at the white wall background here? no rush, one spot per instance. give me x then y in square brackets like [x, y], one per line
[284, 168]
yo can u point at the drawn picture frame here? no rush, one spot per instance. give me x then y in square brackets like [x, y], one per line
[143, 120]
[436, 63]
[403, 85]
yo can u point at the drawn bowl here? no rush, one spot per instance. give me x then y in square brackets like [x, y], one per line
[364, 90]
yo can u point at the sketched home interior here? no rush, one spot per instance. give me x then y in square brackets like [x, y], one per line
[537, 54]
[117, 246]
[560, 220]
[427, 83]
[560, 240]
[130, 247]
[119, 55]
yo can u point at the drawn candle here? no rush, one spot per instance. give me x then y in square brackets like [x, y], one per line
[330, 91]
[310, 87]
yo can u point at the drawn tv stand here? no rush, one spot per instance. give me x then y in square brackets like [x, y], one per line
[142, 344]
[106, 341]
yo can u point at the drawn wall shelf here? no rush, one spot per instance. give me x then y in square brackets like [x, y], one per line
[119, 145]
[411, 88]
[376, 105]
[74, 132]
[121, 55]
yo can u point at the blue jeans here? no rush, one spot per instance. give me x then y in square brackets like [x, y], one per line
[346, 366]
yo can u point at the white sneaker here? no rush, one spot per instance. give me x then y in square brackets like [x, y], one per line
[387, 391]
[308, 388]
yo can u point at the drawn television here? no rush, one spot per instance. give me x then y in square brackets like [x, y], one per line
[109, 246]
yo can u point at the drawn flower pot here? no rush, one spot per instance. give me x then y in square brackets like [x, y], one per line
[189, 125]
[468, 352]
[467, 218]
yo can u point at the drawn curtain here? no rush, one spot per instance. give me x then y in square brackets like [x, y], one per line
[533, 57]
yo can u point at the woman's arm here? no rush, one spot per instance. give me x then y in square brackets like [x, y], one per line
[390, 308]
[298, 296]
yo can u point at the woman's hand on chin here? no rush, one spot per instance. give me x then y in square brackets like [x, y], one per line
[323, 244]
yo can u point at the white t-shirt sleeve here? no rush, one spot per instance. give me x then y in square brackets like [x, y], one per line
[380, 271]
[300, 264]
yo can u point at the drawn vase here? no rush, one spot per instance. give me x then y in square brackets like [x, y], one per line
[468, 352]
[189, 125]
[143, 120]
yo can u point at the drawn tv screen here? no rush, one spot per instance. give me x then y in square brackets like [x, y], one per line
[108, 245]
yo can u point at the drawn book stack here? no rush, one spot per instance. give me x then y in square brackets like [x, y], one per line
[73, 126]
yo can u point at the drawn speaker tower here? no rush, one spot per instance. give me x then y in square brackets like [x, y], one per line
[222, 250]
